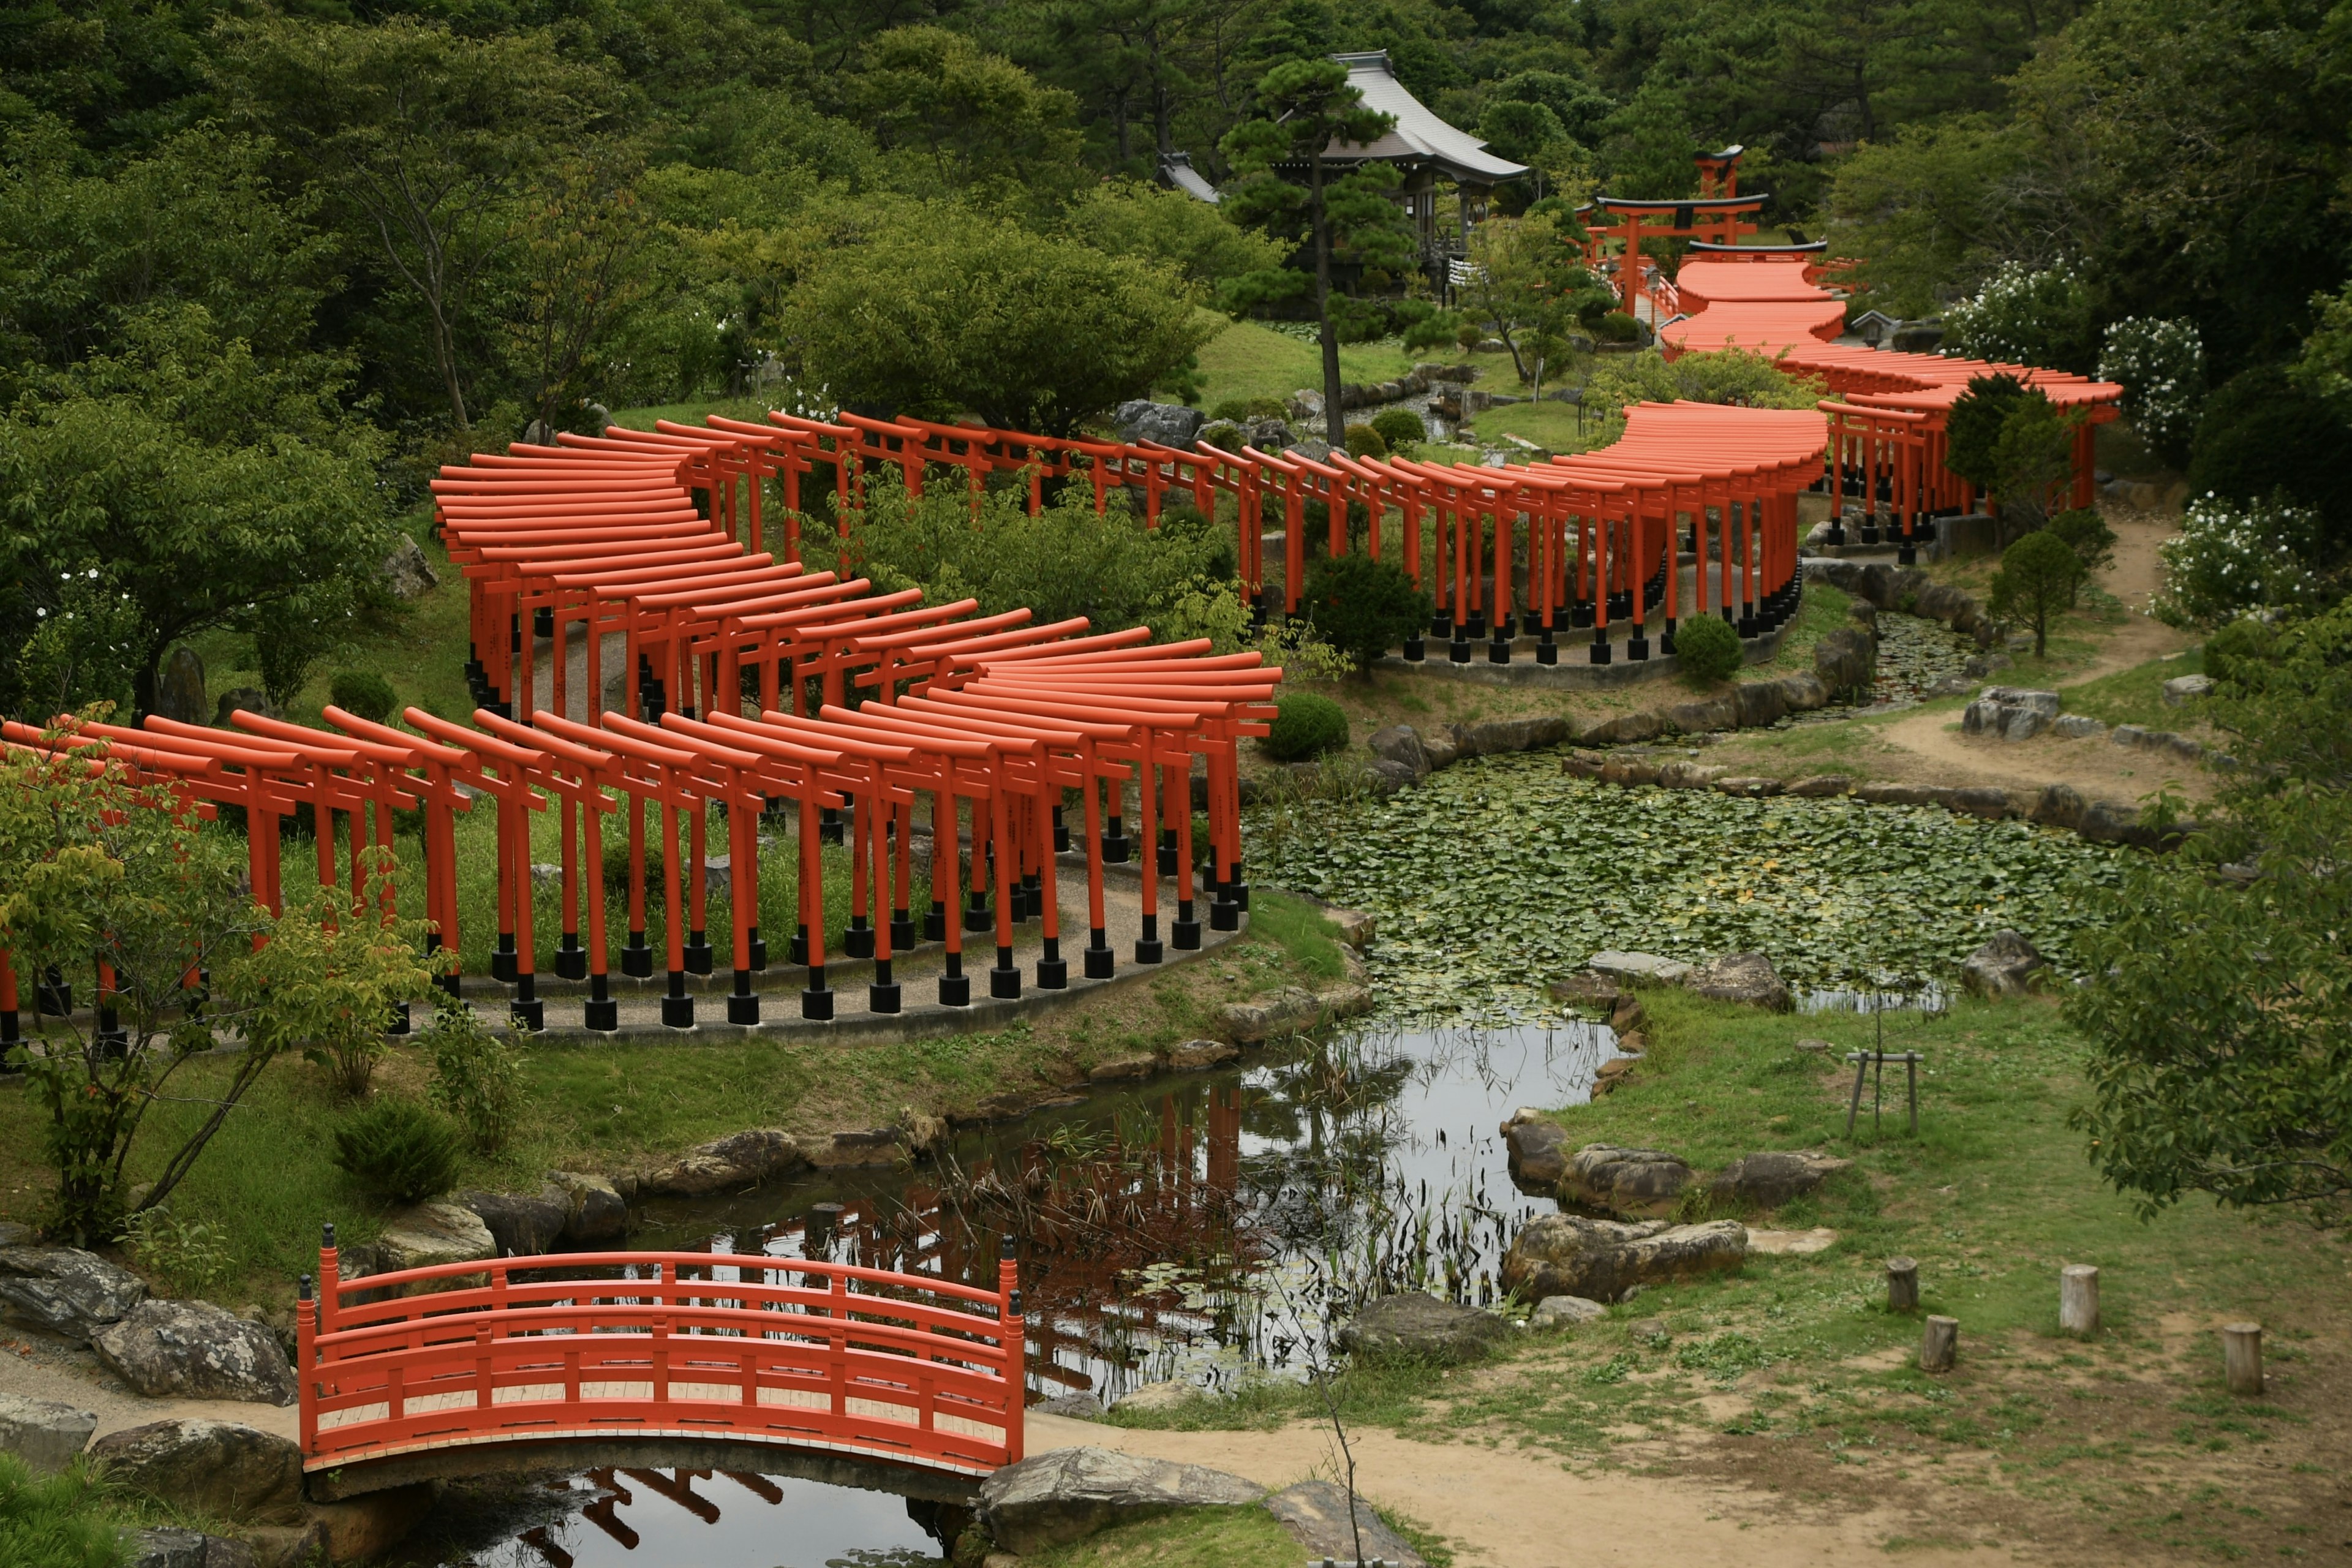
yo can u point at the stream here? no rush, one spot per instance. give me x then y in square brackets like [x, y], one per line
[1201, 1229]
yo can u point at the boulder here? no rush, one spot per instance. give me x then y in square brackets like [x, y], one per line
[64, 1291]
[1569, 1255]
[1626, 729]
[1821, 786]
[1982, 717]
[1346, 1000]
[1587, 987]
[2183, 689]
[242, 700]
[1584, 766]
[1290, 1011]
[1896, 794]
[14, 1235]
[2003, 966]
[1746, 977]
[1387, 777]
[1438, 746]
[2022, 724]
[1565, 1313]
[406, 572]
[1638, 968]
[727, 1165]
[1844, 659]
[1803, 693]
[194, 1350]
[2136, 737]
[873, 1148]
[1072, 1407]
[1321, 1518]
[179, 686]
[1767, 1180]
[1419, 1328]
[1123, 1070]
[2045, 703]
[1267, 435]
[2077, 727]
[1200, 1056]
[2113, 822]
[1760, 704]
[1753, 786]
[1169, 424]
[1166, 1394]
[1977, 800]
[1068, 1494]
[2058, 806]
[1625, 1181]
[1495, 736]
[1400, 743]
[1629, 772]
[433, 1233]
[1683, 774]
[521, 1224]
[1627, 1015]
[593, 1209]
[1538, 1152]
[1613, 1072]
[47, 1434]
[1704, 716]
[218, 1467]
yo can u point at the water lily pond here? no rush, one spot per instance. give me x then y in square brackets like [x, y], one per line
[1499, 874]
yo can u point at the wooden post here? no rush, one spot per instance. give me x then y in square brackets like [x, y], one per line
[1939, 1344]
[2242, 1357]
[2078, 1300]
[1901, 1284]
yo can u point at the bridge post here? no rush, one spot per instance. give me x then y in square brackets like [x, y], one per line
[306, 1357]
[1013, 1341]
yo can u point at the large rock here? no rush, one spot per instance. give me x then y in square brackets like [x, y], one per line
[1774, 1177]
[1626, 729]
[1400, 743]
[218, 1467]
[1682, 774]
[406, 572]
[1539, 1154]
[1169, 424]
[1565, 1313]
[45, 1433]
[1821, 786]
[1746, 977]
[1419, 1328]
[1708, 714]
[1639, 968]
[593, 1209]
[1625, 1181]
[1803, 693]
[1269, 1015]
[433, 1233]
[1628, 771]
[2059, 806]
[727, 1165]
[1387, 777]
[194, 1350]
[2004, 966]
[64, 1291]
[2183, 689]
[1067, 1494]
[523, 1225]
[1845, 658]
[179, 686]
[1983, 801]
[1601, 1259]
[1318, 1515]
[1437, 745]
[1760, 704]
[1495, 736]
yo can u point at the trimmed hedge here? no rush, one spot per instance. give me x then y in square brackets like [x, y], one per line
[1306, 725]
[1707, 650]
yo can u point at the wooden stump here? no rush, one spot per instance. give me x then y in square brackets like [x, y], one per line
[2078, 1300]
[1939, 1344]
[2242, 1357]
[1901, 1284]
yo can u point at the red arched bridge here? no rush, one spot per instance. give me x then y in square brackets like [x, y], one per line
[462, 1367]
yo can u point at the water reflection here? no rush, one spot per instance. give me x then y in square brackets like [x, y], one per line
[639, 1518]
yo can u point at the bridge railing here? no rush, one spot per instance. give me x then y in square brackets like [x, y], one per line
[903, 1368]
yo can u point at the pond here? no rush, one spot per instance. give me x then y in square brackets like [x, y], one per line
[1201, 1229]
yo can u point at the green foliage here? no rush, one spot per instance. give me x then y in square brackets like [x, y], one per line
[398, 1150]
[1361, 607]
[2037, 581]
[2160, 366]
[2286, 690]
[2229, 561]
[1728, 375]
[2086, 533]
[2024, 316]
[1616, 327]
[1439, 329]
[1707, 650]
[1066, 561]
[326, 982]
[364, 694]
[57, 1521]
[1530, 287]
[1305, 726]
[2010, 441]
[191, 1256]
[1191, 238]
[1400, 428]
[2235, 652]
[978, 316]
[89, 644]
[2265, 436]
[96, 870]
[477, 1077]
[1365, 441]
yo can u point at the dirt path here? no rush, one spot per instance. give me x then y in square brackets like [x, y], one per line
[1503, 1508]
[41, 1370]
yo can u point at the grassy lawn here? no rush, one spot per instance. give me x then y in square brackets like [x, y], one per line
[751, 409]
[2135, 696]
[1246, 361]
[1554, 426]
[267, 1179]
[1793, 1375]
[1195, 1538]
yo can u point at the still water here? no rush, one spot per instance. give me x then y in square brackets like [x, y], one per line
[1207, 1228]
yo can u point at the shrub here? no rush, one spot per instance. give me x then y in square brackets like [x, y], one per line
[2086, 533]
[1363, 607]
[59, 1520]
[1306, 725]
[2160, 364]
[1400, 427]
[617, 862]
[1231, 411]
[1616, 327]
[1434, 330]
[2230, 560]
[397, 1150]
[366, 694]
[1363, 441]
[477, 1077]
[1241, 410]
[1707, 650]
[2233, 652]
[2264, 436]
[191, 1256]
[2023, 316]
[2038, 578]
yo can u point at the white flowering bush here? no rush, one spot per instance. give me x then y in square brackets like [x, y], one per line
[84, 647]
[2025, 316]
[2230, 560]
[2160, 364]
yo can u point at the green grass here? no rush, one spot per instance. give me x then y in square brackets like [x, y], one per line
[1246, 361]
[58, 1522]
[1551, 425]
[2135, 696]
[694, 412]
[1194, 1538]
[1310, 939]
